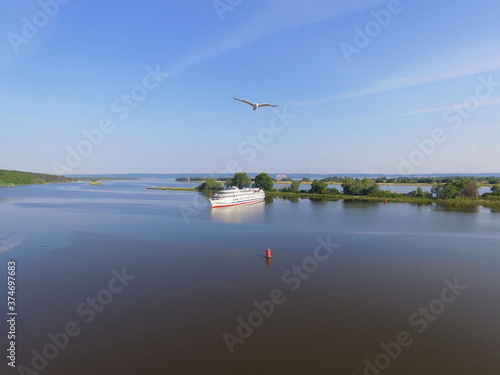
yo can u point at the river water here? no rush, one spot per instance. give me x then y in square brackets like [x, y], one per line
[117, 279]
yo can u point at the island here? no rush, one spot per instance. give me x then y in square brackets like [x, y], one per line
[457, 191]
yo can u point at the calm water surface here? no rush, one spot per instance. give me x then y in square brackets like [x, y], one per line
[193, 274]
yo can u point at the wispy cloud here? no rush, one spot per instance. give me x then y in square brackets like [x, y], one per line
[488, 102]
[472, 60]
[491, 101]
[276, 16]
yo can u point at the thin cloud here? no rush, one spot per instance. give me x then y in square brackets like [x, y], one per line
[491, 101]
[277, 16]
[473, 60]
[482, 127]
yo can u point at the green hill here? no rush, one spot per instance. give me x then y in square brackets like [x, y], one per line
[28, 178]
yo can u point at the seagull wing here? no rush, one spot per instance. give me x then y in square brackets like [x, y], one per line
[268, 105]
[244, 101]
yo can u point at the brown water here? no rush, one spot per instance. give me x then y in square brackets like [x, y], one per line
[192, 281]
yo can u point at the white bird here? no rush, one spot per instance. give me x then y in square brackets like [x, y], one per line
[256, 105]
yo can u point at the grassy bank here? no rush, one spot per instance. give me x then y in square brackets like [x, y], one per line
[171, 188]
[458, 202]
[11, 178]
[336, 197]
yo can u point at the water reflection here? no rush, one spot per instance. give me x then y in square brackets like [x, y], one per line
[239, 214]
[290, 199]
[492, 206]
[361, 204]
[311, 199]
[420, 204]
[471, 208]
[321, 200]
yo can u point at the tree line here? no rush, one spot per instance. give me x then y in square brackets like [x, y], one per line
[240, 180]
[454, 188]
[492, 180]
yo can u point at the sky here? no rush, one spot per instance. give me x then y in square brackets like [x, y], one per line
[366, 86]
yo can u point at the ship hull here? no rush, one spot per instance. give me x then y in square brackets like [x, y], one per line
[230, 204]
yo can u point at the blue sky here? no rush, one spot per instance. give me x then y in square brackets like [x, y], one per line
[363, 86]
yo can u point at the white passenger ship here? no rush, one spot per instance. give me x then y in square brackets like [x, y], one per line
[233, 196]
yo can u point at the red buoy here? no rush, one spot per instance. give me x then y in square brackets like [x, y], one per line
[268, 253]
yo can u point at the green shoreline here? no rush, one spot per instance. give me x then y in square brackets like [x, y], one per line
[172, 188]
[359, 198]
[10, 178]
[7, 185]
[492, 202]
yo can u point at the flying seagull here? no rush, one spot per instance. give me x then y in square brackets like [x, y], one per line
[255, 105]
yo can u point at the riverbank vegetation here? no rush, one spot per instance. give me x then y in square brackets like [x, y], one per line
[240, 180]
[463, 191]
[338, 180]
[211, 184]
[12, 178]
[457, 191]
[171, 188]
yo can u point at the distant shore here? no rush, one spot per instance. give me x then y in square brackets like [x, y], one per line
[340, 183]
[378, 183]
[171, 188]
